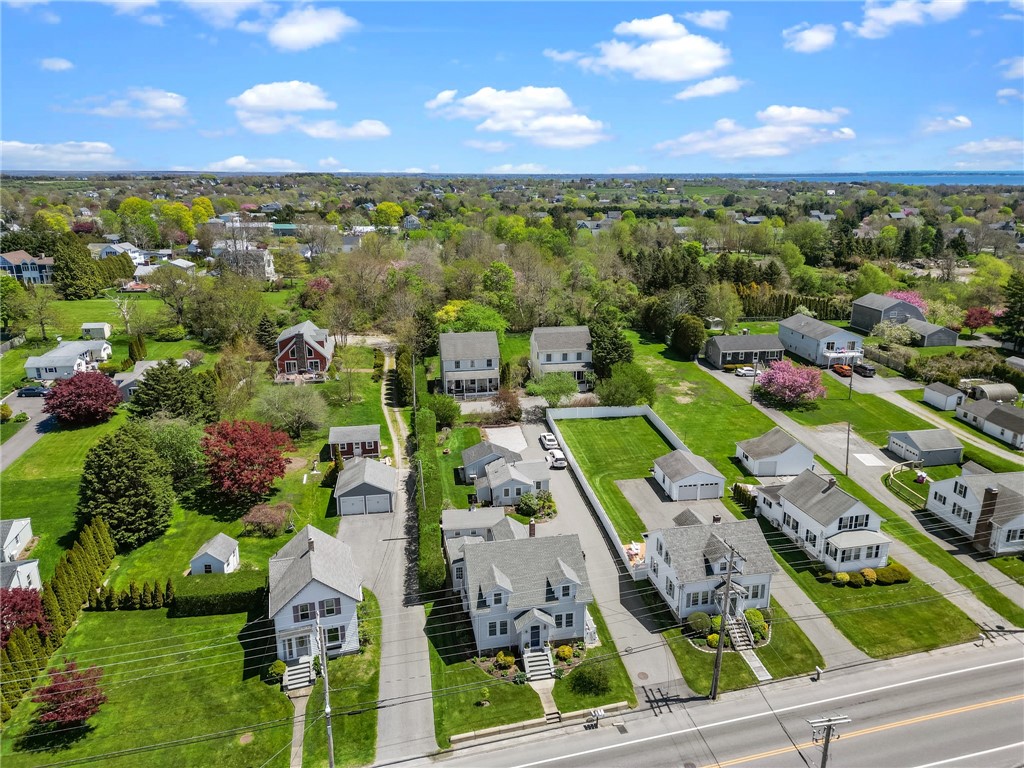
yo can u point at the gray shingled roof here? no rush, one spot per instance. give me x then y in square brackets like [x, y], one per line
[93, 326]
[809, 326]
[875, 301]
[682, 464]
[534, 614]
[484, 448]
[498, 472]
[928, 439]
[1000, 414]
[1009, 503]
[974, 468]
[294, 566]
[943, 389]
[812, 495]
[757, 342]
[7, 571]
[562, 338]
[692, 547]
[528, 568]
[482, 518]
[361, 470]
[7, 524]
[478, 345]
[772, 443]
[363, 433]
[220, 546]
[922, 327]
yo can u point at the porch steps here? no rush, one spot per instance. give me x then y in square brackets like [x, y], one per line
[553, 717]
[739, 634]
[298, 675]
[538, 665]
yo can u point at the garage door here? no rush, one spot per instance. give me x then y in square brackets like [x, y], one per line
[768, 468]
[381, 503]
[353, 506]
[687, 492]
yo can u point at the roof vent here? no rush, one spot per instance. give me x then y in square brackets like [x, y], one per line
[310, 544]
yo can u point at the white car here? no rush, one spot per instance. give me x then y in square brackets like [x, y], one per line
[548, 441]
[556, 459]
[745, 371]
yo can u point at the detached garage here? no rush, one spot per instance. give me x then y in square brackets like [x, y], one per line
[365, 486]
[932, 447]
[684, 476]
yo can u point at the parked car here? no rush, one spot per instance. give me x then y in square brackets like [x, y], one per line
[33, 392]
[865, 370]
[843, 370]
[556, 459]
[745, 371]
[548, 441]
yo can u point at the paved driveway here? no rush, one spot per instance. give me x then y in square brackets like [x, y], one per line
[657, 510]
[38, 425]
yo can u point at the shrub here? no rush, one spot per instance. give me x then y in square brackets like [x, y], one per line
[504, 660]
[767, 614]
[194, 357]
[716, 623]
[841, 579]
[220, 593]
[85, 398]
[856, 580]
[590, 680]
[559, 673]
[869, 576]
[564, 653]
[699, 623]
[267, 520]
[712, 641]
[5, 413]
[275, 672]
[901, 574]
[884, 576]
[21, 418]
[109, 368]
[519, 678]
[754, 616]
[171, 333]
[446, 410]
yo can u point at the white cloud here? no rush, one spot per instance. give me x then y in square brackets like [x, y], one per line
[65, 156]
[488, 146]
[444, 97]
[291, 96]
[1014, 68]
[940, 124]
[803, 38]
[163, 109]
[333, 165]
[520, 168]
[1001, 145]
[221, 14]
[561, 56]
[270, 108]
[152, 19]
[56, 65]
[713, 87]
[1006, 95]
[628, 169]
[413, 170]
[243, 163]
[709, 19]
[544, 116]
[670, 54]
[785, 130]
[305, 28]
[880, 18]
[130, 7]
[49, 17]
[329, 129]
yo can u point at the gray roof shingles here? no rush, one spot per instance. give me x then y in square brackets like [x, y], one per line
[478, 345]
[361, 470]
[772, 443]
[943, 389]
[363, 433]
[220, 546]
[928, 439]
[570, 337]
[483, 449]
[810, 326]
[757, 342]
[813, 496]
[294, 566]
[681, 464]
[693, 546]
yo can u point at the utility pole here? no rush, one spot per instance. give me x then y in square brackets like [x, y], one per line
[321, 638]
[726, 602]
[850, 396]
[753, 380]
[824, 728]
[847, 473]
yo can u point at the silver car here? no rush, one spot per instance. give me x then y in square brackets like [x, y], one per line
[745, 371]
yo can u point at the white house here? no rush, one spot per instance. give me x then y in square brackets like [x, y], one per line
[686, 476]
[313, 577]
[473, 526]
[128, 381]
[365, 486]
[999, 420]
[20, 574]
[776, 452]
[469, 364]
[525, 593]
[67, 359]
[562, 349]
[931, 447]
[818, 342]
[476, 458]
[504, 484]
[688, 565]
[96, 330]
[116, 249]
[826, 522]
[987, 508]
[943, 396]
[15, 534]
[218, 555]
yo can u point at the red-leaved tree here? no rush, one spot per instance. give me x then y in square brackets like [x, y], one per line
[978, 317]
[71, 696]
[911, 297]
[791, 384]
[85, 398]
[243, 458]
[21, 608]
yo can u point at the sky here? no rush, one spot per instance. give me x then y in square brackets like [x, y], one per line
[489, 87]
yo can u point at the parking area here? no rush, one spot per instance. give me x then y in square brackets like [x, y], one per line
[657, 510]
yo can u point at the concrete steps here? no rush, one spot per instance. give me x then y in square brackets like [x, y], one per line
[298, 675]
[538, 665]
[739, 634]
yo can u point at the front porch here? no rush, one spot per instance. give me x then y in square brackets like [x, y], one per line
[854, 550]
[465, 389]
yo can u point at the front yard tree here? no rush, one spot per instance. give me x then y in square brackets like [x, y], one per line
[688, 336]
[178, 443]
[244, 458]
[628, 385]
[977, 317]
[891, 332]
[174, 390]
[74, 270]
[791, 384]
[21, 608]
[387, 214]
[292, 408]
[39, 308]
[71, 696]
[446, 409]
[125, 482]
[87, 397]
[12, 301]
[175, 288]
[610, 345]
[1011, 321]
[556, 387]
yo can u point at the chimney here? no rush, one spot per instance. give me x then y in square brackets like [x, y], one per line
[983, 528]
[310, 544]
[533, 528]
[831, 485]
[716, 519]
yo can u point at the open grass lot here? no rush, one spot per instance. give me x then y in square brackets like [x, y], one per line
[789, 653]
[917, 396]
[514, 346]
[10, 429]
[165, 680]
[355, 684]
[43, 484]
[459, 439]
[1011, 566]
[916, 494]
[620, 687]
[615, 449]
[458, 684]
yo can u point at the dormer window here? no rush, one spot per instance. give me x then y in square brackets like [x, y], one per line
[496, 598]
[566, 590]
[458, 364]
[565, 356]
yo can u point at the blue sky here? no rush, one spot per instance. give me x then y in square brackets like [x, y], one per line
[504, 87]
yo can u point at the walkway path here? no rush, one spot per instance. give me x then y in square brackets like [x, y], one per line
[759, 670]
[299, 699]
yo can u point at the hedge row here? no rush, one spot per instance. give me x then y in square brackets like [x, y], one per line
[217, 593]
[432, 571]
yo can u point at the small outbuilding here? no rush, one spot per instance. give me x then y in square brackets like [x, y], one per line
[96, 330]
[774, 453]
[1017, 363]
[943, 396]
[931, 447]
[685, 476]
[998, 391]
[349, 442]
[365, 486]
[932, 335]
[218, 555]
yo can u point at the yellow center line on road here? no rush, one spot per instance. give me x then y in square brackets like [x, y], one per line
[874, 729]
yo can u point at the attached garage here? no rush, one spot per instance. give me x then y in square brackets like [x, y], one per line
[365, 486]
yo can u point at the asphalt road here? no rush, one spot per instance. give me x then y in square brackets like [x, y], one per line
[39, 423]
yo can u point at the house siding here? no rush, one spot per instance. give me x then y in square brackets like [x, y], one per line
[314, 592]
[792, 461]
[199, 564]
[941, 401]
[865, 318]
[698, 486]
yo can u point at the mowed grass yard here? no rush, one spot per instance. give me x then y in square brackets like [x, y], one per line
[917, 396]
[456, 494]
[166, 680]
[615, 449]
[619, 686]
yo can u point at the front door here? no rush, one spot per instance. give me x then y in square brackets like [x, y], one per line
[535, 636]
[296, 647]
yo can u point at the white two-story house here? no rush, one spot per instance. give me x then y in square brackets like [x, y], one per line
[988, 508]
[818, 342]
[563, 349]
[826, 522]
[469, 364]
[688, 565]
[504, 484]
[460, 527]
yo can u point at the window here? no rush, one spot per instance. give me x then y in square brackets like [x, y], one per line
[723, 567]
[939, 498]
[566, 590]
[507, 493]
[811, 538]
[830, 346]
[960, 490]
[668, 558]
[309, 351]
[458, 573]
[496, 599]
[789, 522]
[50, 370]
[670, 587]
[1014, 535]
[693, 599]
[547, 358]
[659, 546]
[756, 592]
[654, 567]
[330, 607]
[830, 550]
[538, 484]
[568, 620]
[291, 352]
[303, 612]
[490, 363]
[502, 627]
[964, 514]
[207, 568]
[492, 629]
[579, 356]
[849, 554]
[872, 552]
[458, 364]
[853, 522]
[335, 636]
[558, 621]
[519, 492]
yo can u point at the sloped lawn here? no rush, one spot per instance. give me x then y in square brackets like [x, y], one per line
[619, 686]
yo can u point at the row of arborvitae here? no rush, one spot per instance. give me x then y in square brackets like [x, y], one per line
[39, 629]
[135, 598]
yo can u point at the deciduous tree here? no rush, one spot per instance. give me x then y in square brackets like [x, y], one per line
[977, 317]
[688, 336]
[71, 696]
[387, 214]
[628, 385]
[39, 308]
[791, 384]
[891, 332]
[21, 608]
[12, 301]
[555, 387]
[87, 397]
[244, 458]
[446, 409]
[292, 408]
[202, 211]
[178, 443]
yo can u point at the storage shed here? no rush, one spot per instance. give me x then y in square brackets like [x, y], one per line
[998, 391]
[943, 396]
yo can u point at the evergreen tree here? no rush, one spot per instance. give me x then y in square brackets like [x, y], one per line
[74, 271]
[266, 334]
[169, 593]
[1012, 319]
[146, 601]
[21, 663]
[610, 345]
[158, 595]
[111, 599]
[134, 595]
[168, 388]
[53, 613]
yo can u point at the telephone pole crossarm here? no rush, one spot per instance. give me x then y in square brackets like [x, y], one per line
[824, 728]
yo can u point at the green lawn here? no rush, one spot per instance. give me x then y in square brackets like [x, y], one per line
[698, 666]
[620, 687]
[916, 494]
[790, 652]
[615, 449]
[514, 346]
[458, 685]
[456, 494]
[355, 686]
[917, 396]
[10, 429]
[166, 680]
[347, 407]
[1011, 566]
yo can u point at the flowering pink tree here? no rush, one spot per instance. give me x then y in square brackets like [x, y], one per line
[791, 384]
[911, 297]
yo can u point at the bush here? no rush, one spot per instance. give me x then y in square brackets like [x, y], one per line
[884, 576]
[85, 398]
[590, 680]
[564, 653]
[869, 576]
[109, 368]
[712, 641]
[559, 673]
[220, 593]
[21, 418]
[716, 623]
[519, 678]
[5, 413]
[446, 410]
[275, 672]
[901, 574]
[267, 520]
[699, 623]
[504, 660]
[841, 579]
[754, 616]
[856, 580]
[171, 333]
